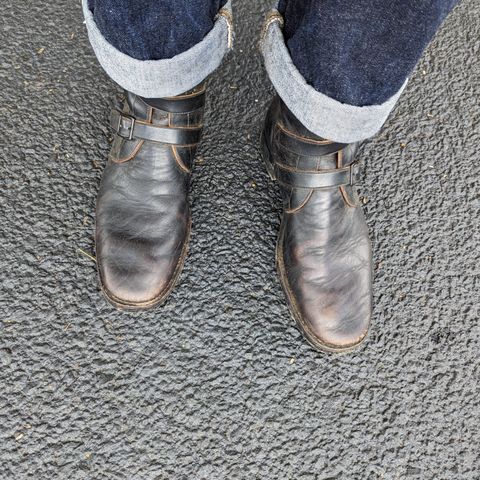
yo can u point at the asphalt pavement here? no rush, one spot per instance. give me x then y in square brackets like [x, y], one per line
[218, 383]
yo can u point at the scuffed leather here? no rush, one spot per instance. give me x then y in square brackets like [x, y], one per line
[143, 218]
[323, 252]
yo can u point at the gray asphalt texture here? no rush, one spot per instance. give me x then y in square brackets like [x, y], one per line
[218, 383]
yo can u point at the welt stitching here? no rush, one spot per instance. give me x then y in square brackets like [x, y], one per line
[179, 160]
[302, 138]
[326, 170]
[187, 95]
[132, 155]
[346, 197]
[281, 145]
[305, 201]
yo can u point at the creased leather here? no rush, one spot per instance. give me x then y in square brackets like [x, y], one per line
[324, 251]
[143, 218]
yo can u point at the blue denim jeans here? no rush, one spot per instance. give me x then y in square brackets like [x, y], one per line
[339, 65]
[154, 29]
[359, 52]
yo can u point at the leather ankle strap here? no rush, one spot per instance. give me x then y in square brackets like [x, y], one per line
[128, 127]
[186, 103]
[337, 177]
[296, 143]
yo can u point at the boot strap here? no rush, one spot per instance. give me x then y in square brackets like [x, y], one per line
[349, 175]
[128, 127]
[295, 143]
[185, 103]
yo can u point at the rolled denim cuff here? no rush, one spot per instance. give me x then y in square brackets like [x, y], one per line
[320, 114]
[168, 77]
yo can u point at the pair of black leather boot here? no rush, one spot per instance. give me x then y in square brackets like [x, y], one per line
[143, 219]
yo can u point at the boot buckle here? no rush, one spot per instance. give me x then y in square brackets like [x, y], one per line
[126, 126]
[354, 172]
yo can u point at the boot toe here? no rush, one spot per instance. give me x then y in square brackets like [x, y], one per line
[132, 286]
[329, 296]
[132, 278]
[333, 329]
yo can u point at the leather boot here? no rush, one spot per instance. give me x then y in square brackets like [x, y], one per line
[143, 218]
[323, 251]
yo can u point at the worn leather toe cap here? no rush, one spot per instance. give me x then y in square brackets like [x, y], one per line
[330, 320]
[134, 274]
[329, 294]
[329, 326]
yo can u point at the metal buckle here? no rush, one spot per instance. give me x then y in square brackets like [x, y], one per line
[354, 172]
[129, 128]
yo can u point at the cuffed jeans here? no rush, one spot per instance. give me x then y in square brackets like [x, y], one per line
[340, 66]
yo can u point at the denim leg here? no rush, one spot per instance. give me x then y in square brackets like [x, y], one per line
[340, 65]
[359, 52]
[154, 29]
[159, 48]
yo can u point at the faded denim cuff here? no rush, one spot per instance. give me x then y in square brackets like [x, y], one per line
[320, 114]
[168, 77]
